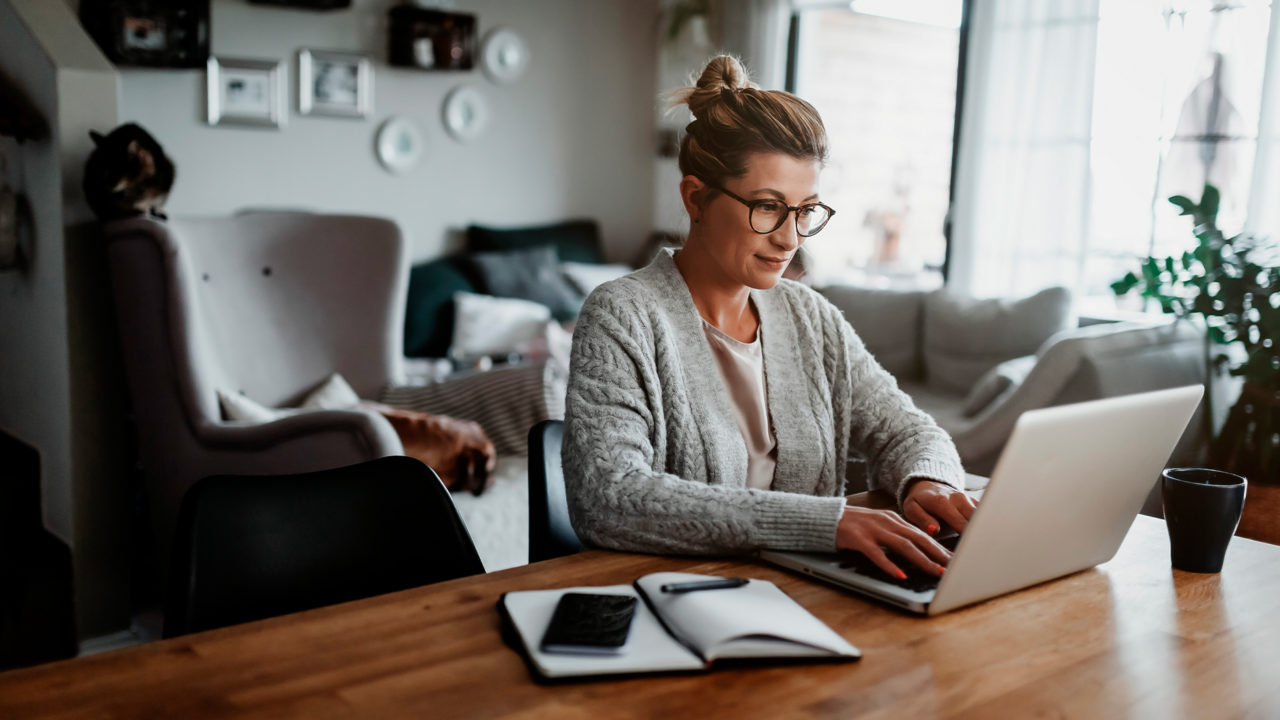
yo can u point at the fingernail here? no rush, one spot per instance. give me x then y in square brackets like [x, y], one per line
[933, 529]
[941, 569]
[902, 575]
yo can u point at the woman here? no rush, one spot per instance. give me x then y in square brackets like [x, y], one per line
[712, 405]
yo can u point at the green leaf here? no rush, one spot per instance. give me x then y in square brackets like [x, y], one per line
[1187, 205]
[1187, 260]
[1125, 284]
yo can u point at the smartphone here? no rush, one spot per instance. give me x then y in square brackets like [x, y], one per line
[590, 624]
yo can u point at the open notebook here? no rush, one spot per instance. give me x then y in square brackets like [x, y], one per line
[679, 632]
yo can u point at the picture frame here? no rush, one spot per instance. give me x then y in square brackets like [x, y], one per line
[245, 92]
[337, 84]
[145, 33]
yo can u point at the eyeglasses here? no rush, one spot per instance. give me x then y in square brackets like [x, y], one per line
[767, 214]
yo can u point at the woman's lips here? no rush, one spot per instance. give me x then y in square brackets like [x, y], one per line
[776, 263]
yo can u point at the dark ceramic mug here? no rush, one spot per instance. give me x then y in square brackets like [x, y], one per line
[1202, 509]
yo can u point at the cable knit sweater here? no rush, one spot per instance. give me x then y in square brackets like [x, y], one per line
[653, 458]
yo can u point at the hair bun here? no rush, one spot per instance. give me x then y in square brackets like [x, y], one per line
[722, 76]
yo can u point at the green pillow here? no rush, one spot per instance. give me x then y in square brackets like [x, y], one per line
[575, 240]
[428, 316]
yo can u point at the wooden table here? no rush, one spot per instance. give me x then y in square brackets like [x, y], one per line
[1131, 638]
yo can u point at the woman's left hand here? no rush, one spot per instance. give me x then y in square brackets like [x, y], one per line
[930, 504]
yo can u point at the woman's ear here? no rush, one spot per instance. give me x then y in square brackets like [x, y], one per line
[691, 192]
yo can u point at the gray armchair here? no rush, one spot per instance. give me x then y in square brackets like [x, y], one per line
[267, 305]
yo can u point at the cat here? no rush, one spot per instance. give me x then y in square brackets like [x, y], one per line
[127, 174]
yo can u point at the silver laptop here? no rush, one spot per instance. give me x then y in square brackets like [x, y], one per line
[1062, 497]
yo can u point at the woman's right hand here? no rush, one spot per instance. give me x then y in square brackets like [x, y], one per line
[870, 531]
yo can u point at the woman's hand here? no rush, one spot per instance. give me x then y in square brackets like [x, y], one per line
[870, 532]
[929, 504]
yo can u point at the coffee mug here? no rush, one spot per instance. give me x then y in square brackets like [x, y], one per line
[1202, 509]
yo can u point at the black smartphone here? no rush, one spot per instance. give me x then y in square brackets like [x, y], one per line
[589, 624]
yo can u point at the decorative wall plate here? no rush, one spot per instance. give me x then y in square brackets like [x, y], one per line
[399, 144]
[466, 114]
[504, 56]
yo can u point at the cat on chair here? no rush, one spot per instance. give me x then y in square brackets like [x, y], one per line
[127, 174]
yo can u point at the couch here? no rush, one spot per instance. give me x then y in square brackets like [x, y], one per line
[976, 365]
[506, 299]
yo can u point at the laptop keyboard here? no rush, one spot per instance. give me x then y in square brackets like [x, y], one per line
[917, 579]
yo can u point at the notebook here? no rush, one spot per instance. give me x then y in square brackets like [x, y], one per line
[685, 632]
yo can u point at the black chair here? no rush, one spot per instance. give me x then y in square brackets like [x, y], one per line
[251, 547]
[550, 533]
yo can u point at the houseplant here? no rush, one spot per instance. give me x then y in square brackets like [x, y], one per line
[1230, 283]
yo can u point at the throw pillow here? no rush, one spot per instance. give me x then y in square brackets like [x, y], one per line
[887, 321]
[998, 380]
[429, 311]
[332, 394]
[529, 274]
[966, 337]
[486, 325]
[585, 277]
[238, 408]
[574, 241]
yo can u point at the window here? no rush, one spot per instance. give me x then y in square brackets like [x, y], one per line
[884, 83]
[1177, 97]
[1081, 118]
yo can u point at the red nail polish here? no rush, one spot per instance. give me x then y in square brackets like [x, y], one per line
[902, 575]
[933, 529]
[941, 569]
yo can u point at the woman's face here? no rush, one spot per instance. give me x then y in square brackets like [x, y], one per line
[745, 256]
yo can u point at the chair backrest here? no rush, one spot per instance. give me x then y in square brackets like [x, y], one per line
[251, 547]
[268, 304]
[550, 533]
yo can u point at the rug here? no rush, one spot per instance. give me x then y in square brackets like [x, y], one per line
[498, 520]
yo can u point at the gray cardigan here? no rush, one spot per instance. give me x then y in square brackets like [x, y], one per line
[653, 458]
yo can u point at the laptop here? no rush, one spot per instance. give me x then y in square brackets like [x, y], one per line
[1063, 494]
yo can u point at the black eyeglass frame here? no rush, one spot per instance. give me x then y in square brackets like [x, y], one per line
[753, 204]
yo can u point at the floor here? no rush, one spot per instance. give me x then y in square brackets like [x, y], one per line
[498, 520]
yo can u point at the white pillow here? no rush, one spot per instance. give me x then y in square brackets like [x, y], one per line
[333, 394]
[585, 277]
[239, 408]
[487, 325]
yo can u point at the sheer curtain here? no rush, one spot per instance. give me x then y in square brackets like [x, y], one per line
[1022, 194]
[1264, 197]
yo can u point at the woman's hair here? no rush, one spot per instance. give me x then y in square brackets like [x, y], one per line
[733, 118]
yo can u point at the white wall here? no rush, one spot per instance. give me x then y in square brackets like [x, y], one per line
[58, 391]
[572, 138]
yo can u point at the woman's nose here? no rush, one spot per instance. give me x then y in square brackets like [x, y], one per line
[786, 237]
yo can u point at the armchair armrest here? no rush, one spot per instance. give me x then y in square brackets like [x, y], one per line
[1087, 364]
[369, 429]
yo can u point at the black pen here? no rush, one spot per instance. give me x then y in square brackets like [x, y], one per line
[721, 584]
